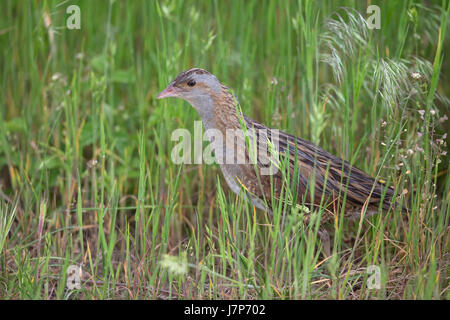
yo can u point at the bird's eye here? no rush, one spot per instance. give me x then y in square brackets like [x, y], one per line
[191, 83]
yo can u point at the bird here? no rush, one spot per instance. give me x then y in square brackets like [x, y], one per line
[314, 177]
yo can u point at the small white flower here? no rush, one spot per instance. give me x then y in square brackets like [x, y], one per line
[56, 76]
[92, 163]
[421, 112]
[416, 75]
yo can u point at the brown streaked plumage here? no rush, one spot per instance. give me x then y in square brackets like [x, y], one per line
[308, 164]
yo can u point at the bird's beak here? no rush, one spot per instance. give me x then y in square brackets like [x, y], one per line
[170, 91]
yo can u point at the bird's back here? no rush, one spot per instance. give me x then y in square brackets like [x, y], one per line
[334, 179]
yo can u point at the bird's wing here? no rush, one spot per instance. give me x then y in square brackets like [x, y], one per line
[331, 175]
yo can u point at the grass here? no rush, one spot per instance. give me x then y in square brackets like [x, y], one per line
[86, 177]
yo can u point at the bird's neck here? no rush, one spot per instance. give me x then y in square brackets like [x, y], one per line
[224, 131]
[218, 110]
[227, 112]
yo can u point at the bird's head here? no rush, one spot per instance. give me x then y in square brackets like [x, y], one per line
[196, 86]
